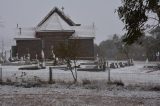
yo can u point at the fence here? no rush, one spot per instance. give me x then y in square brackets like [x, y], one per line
[128, 75]
[124, 76]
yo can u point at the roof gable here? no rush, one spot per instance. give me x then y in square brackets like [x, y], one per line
[61, 14]
[54, 22]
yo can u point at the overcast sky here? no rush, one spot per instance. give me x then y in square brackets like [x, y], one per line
[28, 13]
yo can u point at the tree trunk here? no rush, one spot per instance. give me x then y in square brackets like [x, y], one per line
[75, 69]
[74, 75]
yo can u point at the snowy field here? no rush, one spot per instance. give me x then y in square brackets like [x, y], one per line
[136, 74]
[62, 95]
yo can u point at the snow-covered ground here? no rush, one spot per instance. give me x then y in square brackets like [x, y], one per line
[129, 75]
[62, 95]
[76, 96]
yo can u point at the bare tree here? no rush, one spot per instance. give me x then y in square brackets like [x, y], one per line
[68, 51]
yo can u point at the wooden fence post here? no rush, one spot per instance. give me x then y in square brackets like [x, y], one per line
[50, 75]
[109, 76]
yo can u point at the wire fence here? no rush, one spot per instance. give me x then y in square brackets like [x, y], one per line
[136, 76]
[125, 77]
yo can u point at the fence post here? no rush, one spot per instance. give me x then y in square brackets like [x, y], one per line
[50, 75]
[0, 74]
[109, 76]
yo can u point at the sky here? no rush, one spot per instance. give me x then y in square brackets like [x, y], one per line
[28, 13]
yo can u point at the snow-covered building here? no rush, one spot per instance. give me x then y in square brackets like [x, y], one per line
[54, 29]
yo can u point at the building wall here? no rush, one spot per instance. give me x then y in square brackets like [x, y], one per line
[84, 48]
[32, 47]
[52, 40]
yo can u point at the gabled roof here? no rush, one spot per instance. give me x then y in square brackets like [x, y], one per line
[61, 14]
[57, 21]
[54, 22]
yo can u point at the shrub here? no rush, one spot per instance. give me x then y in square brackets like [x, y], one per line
[50, 82]
[156, 88]
[116, 82]
[86, 81]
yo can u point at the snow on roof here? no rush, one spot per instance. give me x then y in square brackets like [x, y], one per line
[55, 22]
[79, 31]
[61, 14]
[84, 31]
[25, 33]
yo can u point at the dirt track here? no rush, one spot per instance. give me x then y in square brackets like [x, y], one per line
[60, 99]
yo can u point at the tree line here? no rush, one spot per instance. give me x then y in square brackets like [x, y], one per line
[116, 49]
